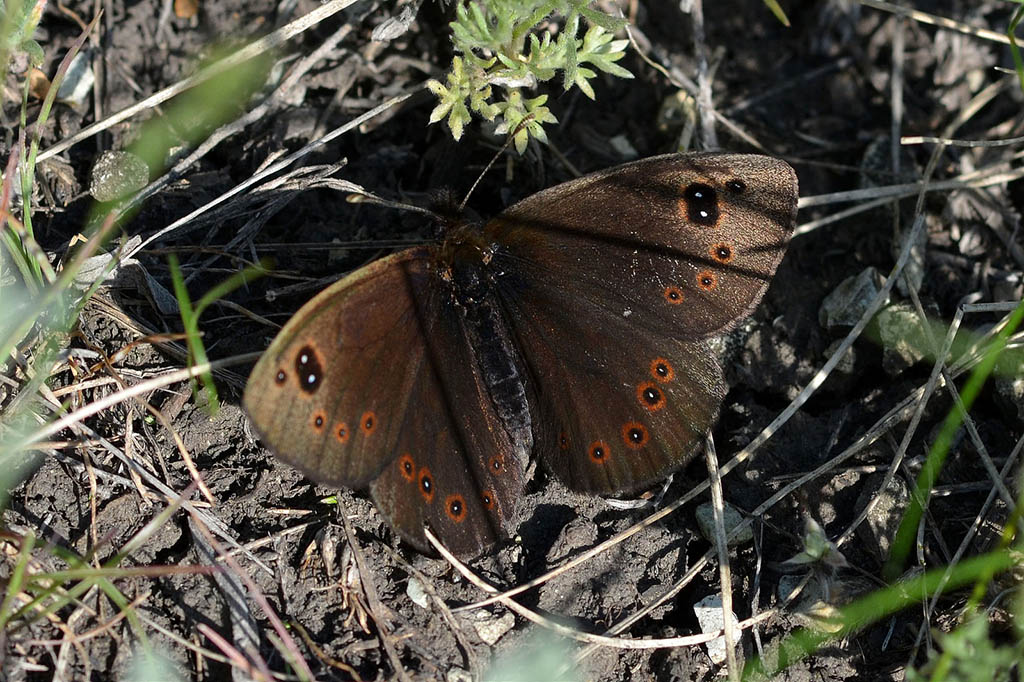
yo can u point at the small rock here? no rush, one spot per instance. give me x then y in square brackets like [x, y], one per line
[78, 80]
[106, 265]
[414, 590]
[709, 614]
[848, 302]
[580, 532]
[491, 628]
[117, 174]
[879, 528]
[788, 584]
[845, 374]
[458, 675]
[730, 517]
[903, 339]
[623, 147]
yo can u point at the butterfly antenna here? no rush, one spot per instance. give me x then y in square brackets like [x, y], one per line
[511, 138]
[363, 197]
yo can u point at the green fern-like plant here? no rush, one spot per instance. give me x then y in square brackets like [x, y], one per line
[502, 46]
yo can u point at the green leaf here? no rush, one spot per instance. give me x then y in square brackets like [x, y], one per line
[440, 111]
[571, 57]
[34, 51]
[607, 22]
[777, 11]
[437, 88]
[458, 119]
[601, 50]
[582, 76]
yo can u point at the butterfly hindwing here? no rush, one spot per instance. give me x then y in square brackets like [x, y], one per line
[458, 470]
[614, 408]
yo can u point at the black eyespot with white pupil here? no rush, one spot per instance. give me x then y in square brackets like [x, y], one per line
[308, 369]
[701, 202]
[736, 185]
[651, 396]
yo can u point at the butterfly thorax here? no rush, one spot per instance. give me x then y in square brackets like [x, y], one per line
[463, 242]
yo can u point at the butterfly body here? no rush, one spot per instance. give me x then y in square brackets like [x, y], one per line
[572, 327]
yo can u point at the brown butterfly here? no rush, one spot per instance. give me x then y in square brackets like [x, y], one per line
[571, 327]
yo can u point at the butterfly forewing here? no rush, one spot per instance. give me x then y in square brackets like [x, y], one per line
[326, 395]
[374, 384]
[612, 281]
[685, 243]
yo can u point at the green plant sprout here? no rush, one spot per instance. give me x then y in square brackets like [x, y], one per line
[190, 317]
[970, 653]
[502, 44]
[18, 21]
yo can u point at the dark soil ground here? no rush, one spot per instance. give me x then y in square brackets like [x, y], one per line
[822, 93]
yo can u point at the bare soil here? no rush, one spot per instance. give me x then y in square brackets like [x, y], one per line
[818, 93]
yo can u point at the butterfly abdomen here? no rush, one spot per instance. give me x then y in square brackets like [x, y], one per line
[496, 356]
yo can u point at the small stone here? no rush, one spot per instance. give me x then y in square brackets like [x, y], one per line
[844, 375]
[106, 265]
[847, 365]
[78, 80]
[458, 675]
[491, 628]
[414, 590]
[709, 615]
[623, 147]
[848, 302]
[879, 528]
[903, 339]
[117, 174]
[788, 584]
[730, 517]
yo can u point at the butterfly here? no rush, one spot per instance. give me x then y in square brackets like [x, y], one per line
[572, 328]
